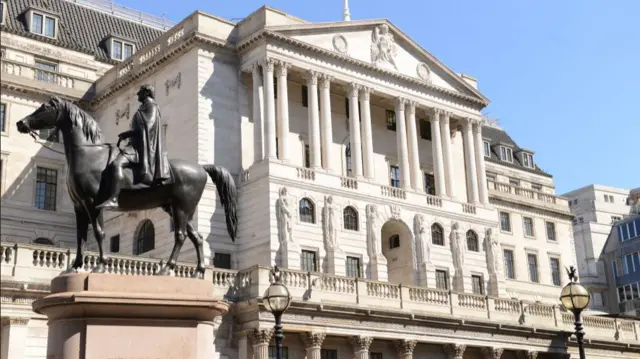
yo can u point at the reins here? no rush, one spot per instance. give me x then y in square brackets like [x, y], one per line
[33, 134]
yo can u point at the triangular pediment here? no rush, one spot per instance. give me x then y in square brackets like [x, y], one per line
[381, 44]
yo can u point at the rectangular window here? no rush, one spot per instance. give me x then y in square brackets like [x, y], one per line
[116, 50]
[506, 154]
[487, 148]
[222, 260]
[43, 25]
[49, 26]
[442, 279]
[532, 261]
[272, 352]
[528, 226]
[128, 51]
[328, 354]
[114, 244]
[305, 97]
[3, 111]
[46, 188]
[508, 264]
[628, 259]
[375, 355]
[394, 178]
[307, 156]
[477, 285]
[46, 72]
[527, 160]
[429, 184]
[555, 271]
[1, 12]
[353, 267]
[621, 297]
[309, 261]
[514, 182]
[425, 129]
[391, 120]
[505, 222]
[536, 187]
[636, 259]
[551, 231]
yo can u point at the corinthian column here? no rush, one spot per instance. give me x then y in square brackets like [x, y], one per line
[314, 119]
[283, 110]
[360, 346]
[445, 130]
[492, 353]
[405, 348]
[414, 156]
[480, 167]
[260, 340]
[367, 136]
[401, 139]
[470, 159]
[325, 119]
[312, 343]
[258, 112]
[436, 148]
[354, 131]
[269, 109]
[454, 351]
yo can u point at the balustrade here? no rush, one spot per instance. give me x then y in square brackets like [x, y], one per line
[527, 193]
[67, 84]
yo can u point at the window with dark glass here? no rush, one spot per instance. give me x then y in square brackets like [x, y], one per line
[487, 149]
[477, 286]
[222, 260]
[43, 24]
[350, 218]
[429, 184]
[46, 188]
[528, 226]
[506, 154]
[146, 240]
[114, 244]
[442, 279]
[307, 156]
[555, 271]
[328, 354]
[305, 96]
[45, 71]
[3, 109]
[532, 261]
[391, 120]
[425, 129]
[472, 241]
[394, 241]
[272, 352]
[309, 261]
[353, 267]
[551, 231]
[505, 222]
[121, 50]
[437, 234]
[375, 356]
[509, 265]
[394, 176]
[347, 159]
[307, 211]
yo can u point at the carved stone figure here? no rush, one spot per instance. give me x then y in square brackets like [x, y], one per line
[330, 223]
[457, 246]
[284, 216]
[373, 230]
[493, 252]
[423, 244]
[383, 46]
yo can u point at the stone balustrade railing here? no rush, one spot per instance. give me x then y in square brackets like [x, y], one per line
[36, 263]
[544, 199]
[30, 75]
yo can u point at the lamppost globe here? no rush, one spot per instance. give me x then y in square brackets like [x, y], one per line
[575, 297]
[277, 298]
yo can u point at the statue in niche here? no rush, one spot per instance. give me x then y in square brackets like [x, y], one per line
[383, 46]
[373, 230]
[330, 223]
[457, 246]
[493, 252]
[423, 246]
[284, 216]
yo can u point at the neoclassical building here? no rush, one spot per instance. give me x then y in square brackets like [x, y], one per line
[405, 223]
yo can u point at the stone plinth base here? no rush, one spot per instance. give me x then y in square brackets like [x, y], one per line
[106, 316]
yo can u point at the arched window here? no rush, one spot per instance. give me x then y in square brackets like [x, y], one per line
[472, 241]
[347, 159]
[437, 234]
[42, 240]
[394, 241]
[350, 218]
[307, 211]
[146, 239]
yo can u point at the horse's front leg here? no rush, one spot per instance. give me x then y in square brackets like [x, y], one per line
[82, 225]
[180, 227]
[97, 223]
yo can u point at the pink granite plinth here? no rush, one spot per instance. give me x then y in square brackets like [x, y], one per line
[107, 316]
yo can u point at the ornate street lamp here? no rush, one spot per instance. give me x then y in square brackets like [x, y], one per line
[277, 299]
[576, 298]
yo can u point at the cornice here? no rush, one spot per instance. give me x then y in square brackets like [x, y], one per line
[537, 209]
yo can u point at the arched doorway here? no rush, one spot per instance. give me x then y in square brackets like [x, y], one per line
[397, 248]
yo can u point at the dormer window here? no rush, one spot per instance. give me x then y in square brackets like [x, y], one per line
[506, 154]
[120, 50]
[43, 24]
[2, 7]
[527, 160]
[487, 148]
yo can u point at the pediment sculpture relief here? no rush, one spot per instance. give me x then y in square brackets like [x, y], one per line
[383, 47]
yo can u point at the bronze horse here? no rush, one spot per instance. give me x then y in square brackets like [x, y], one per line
[88, 158]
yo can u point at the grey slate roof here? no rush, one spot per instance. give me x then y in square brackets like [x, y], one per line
[80, 28]
[496, 136]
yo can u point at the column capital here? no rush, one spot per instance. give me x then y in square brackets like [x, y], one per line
[411, 107]
[400, 103]
[492, 353]
[360, 343]
[260, 336]
[404, 346]
[454, 351]
[468, 123]
[527, 354]
[282, 68]
[444, 115]
[365, 93]
[477, 126]
[353, 89]
[312, 339]
[256, 69]
[325, 81]
[312, 77]
[268, 64]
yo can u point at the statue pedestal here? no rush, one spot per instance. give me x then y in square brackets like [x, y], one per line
[102, 316]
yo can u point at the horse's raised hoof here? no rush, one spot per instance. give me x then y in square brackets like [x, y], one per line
[198, 273]
[99, 268]
[165, 271]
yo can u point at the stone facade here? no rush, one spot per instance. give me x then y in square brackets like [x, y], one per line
[391, 230]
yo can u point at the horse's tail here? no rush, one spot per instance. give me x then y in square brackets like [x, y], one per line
[228, 195]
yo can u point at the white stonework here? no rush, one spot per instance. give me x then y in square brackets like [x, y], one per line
[240, 95]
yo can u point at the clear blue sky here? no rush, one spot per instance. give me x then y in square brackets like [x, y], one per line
[563, 77]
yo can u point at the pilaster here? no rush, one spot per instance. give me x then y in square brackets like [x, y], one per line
[360, 346]
[312, 343]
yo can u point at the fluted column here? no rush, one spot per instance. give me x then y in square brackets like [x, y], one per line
[436, 149]
[367, 135]
[401, 140]
[414, 154]
[470, 159]
[269, 109]
[449, 170]
[483, 192]
[325, 119]
[454, 351]
[405, 348]
[14, 334]
[258, 112]
[283, 110]
[260, 340]
[354, 130]
[360, 346]
[492, 353]
[314, 120]
[312, 343]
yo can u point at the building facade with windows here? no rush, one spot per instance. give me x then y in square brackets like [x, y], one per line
[596, 209]
[403, 221]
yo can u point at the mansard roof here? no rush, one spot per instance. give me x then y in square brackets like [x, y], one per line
[80, 28]
[497, 136]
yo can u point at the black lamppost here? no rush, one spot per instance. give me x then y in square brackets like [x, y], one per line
[576, 298]
[277, 299]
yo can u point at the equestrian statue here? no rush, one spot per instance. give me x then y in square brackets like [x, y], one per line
[139, 176]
